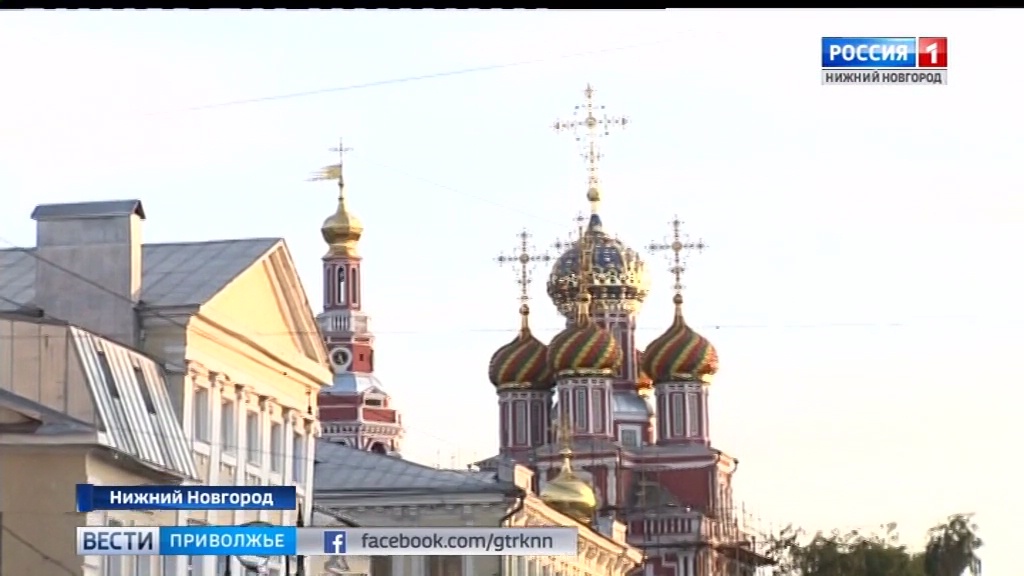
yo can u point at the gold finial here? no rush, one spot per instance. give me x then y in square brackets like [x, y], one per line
[680, 247]
[523, 260]
[341, 230]
[594, 124]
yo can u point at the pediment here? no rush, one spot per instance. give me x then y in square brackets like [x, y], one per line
[268, 302]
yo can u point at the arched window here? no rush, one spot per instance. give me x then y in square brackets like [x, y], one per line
[378, 448]
[355, 286]
[342, 285]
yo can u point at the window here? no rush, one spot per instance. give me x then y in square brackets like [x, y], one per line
[376, 402]
[342, 286]
[536, 424]
[195, 565]
[276, 447]
[520, 422]
[677, 414]
[328, 299]
[113, 565]
[692, 415]
[581, 409]
[120, 418]
[227, 426]
[443, 565]
[598, 411]
[252, 437]
[147, 395]
[506, 425]
[355, 287]
[298, 458]
[201, 414]
[629, 437]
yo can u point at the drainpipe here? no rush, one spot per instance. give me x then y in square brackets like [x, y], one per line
[520, 496]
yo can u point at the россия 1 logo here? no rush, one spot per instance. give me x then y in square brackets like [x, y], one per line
[884, 60]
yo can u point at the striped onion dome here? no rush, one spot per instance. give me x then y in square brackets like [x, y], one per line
[680, 354]
[523, 362]
[584, 348]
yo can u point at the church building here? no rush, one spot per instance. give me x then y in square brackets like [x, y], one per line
[355, 410]
[634, 414]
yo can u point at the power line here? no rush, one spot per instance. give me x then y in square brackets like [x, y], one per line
[35, 549]
[420, 77]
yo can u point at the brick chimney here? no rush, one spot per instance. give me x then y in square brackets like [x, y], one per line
[89, 265]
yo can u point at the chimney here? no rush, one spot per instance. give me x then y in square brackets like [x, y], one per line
[89, 265]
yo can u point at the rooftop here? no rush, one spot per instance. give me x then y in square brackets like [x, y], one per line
[173, 274]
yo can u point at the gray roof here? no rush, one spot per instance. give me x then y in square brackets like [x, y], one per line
[177, 274]
[100, 209]
[630, 405]
[352, 383]
[340, 468]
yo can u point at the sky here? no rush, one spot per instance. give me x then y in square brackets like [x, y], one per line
[861, 286]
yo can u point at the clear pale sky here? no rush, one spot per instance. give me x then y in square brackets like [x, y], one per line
[863, 285]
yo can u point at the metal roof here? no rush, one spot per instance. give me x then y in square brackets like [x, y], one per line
[352, 383]
[341, 468]
[132, 403]
[102, 209]
[178, 274]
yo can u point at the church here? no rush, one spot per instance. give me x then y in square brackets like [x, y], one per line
[634, 415]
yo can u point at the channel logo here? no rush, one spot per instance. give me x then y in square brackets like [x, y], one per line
[335, 542]
[884, 60]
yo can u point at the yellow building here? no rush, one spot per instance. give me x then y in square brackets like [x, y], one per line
[230, 327]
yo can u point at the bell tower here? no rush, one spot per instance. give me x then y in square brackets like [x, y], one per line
[355, 410]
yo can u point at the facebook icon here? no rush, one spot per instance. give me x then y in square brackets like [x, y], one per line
[334, 542]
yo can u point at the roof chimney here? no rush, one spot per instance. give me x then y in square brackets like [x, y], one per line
[89, 265]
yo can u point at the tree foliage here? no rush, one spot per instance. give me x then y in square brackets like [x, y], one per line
[951, 551]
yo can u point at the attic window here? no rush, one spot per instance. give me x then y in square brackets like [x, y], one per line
[147, 395]
[108, 375]
[374, 402]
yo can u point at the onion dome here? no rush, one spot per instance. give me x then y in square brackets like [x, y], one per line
[341, 230]
[618, 280]
[584, 348]
[569, 494]
[680, 354]
[523, 362]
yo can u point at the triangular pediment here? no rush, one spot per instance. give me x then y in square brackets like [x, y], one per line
[268, 300]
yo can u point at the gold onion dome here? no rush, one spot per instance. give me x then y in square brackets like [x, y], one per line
[341, 230]
[680, 354]
[569, 494]
[618, 279]
[523, 362]
[584, 348]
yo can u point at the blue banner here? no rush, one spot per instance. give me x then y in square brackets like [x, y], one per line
[869, 52]
[89, 497]
[227, 540]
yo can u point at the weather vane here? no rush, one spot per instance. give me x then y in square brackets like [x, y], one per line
[591, 123]
[523, 260]
[333, 171]
[680, 247]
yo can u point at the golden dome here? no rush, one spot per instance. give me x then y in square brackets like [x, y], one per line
[342, 230]
[569, 494]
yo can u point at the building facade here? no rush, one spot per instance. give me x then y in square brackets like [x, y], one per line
[355, 410]
[227, 321]
[356, 488]
[636, 413]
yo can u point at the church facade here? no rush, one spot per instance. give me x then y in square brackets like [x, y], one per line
[355, 410]
[633, 414]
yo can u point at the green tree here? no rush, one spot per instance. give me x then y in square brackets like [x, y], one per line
[951, 550]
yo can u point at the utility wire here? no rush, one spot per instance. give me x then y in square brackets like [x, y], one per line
[420, 77]
[35, 549]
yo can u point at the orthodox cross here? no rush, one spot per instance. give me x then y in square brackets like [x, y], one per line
[523, 260]
[680, 246]
[587, 130]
